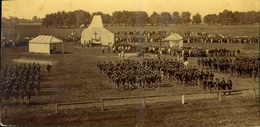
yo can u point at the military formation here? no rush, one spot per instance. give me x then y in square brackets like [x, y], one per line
[188, 37]
[20, 82]
[128, 74]
[241, 66]
[15, 43]
[174, 51]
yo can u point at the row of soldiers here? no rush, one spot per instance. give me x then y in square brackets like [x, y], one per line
[175, 51]
[133, 73]
[20, 82]
[242, 66]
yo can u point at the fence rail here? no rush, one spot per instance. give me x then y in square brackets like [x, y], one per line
[102, 100]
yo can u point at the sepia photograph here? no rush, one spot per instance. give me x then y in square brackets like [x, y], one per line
[130, 63]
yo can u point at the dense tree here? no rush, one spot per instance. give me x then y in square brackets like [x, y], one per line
[166, 18]
[185, 17]
[71, 19]
[226, 17]
[176, 18]
[129, 18]
[106, 18]
[155, 18]
[79, 17]
[116, 18]
[196, 19]
[141, 18]
[46, 21]
[82, 17]
[211, 19]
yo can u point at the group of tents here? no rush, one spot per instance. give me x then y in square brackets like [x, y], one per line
[94, 34]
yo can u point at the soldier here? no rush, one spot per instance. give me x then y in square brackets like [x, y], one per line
[210, 83]
[204, 83]
[199, 62]
[7, 95]
[223, 85]
[229, 84]
[48, 68]
[238, 52]
[254, 73]
[103, 49]
[22, 93]
[217, 84]
[15, 95]
[28, 95]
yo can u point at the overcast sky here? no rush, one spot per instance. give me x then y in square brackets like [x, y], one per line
[29, 8]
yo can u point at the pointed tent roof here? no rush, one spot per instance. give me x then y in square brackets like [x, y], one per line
[96, 21]
[173, 37]
[46, 39]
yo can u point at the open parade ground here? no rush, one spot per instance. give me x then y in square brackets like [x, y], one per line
[75, 78]
[130, 63]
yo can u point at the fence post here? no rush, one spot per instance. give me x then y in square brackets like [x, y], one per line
[254, 94]
[57, 108]
[144, 102]
[219, 96]
[183, 100]
[102, 104]
[5, 112]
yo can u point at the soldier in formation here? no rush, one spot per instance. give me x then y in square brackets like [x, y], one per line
[241, 66]
[133, 73]
[20, 82]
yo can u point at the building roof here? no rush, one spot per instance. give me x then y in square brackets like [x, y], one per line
[174, 37]
[46, 39]
[96, 21]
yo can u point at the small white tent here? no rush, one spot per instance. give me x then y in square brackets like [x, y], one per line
[175, 40]
[96, 33]
[44, 44]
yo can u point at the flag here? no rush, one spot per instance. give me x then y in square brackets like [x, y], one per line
[18, 37]
[82, 25]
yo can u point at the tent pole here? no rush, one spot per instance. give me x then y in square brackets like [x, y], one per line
[49, 49]
[62, 48]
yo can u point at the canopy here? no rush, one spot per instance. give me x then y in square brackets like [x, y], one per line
[44, 44]
[175, 40]
[174, 37]
[45, 39]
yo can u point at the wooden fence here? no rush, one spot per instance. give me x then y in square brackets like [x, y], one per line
[103, 100]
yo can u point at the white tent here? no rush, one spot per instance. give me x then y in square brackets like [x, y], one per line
[44, 44]
[96, 33]
[175, 40]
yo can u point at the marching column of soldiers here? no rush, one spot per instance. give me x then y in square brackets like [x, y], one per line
[242, 66]
[20, 82]
[128, 74]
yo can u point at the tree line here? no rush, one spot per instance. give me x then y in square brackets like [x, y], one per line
[81, 18]
[230, 18]
[34, 19]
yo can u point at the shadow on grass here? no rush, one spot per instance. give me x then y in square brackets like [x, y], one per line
[33, 103]
[58, 53]
[46, 93]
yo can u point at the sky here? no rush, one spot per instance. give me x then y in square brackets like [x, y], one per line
[29, 8]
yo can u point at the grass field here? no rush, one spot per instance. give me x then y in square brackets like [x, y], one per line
[74, 77]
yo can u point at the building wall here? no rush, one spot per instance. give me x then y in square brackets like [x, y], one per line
[176, 43]
[39, 48]
[106, 37]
